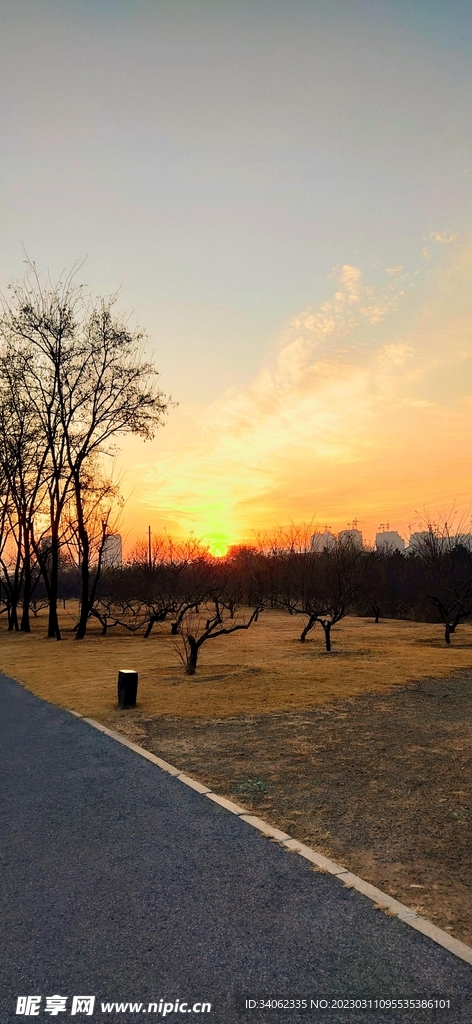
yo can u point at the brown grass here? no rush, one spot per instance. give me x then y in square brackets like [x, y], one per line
[333, 748]
[380, 782]
[264, 669]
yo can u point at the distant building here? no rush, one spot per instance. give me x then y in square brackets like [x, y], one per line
[112, 554]
[439, 542]
[323, 541]
[389, 540]
[45, 546]
[464, 539]
[417, 540]
[353, 537]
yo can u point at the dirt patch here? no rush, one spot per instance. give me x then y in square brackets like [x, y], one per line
[262, 671]
[382, 783]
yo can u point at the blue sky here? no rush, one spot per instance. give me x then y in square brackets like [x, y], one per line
[216, 160]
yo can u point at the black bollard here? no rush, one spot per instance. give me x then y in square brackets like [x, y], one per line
[127, 688]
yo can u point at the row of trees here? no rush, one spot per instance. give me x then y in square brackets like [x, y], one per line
[432, 584]
[73, 377]
[200, 597]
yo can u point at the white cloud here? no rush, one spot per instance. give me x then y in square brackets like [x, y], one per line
[395, 354]
[442, 237]
[337, 391]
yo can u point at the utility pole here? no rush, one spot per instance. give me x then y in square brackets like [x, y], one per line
[149, 547]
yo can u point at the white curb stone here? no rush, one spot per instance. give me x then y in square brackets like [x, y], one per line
[349, 880]
[193, 784]
[316, 858]
[267, 830]
[227, 804]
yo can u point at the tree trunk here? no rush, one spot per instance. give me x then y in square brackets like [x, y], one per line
[12, 618]
[149, 626]
[84, 564]
[447, 633]
[53, 621]
[376, 611]
[311, 622]
[84, 588]
[327, 633]
[14, 588]
[192, 656]
[174, 629]
[25, 615]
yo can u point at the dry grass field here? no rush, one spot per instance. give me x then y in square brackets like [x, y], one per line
[363, 753]
[263, 669]
[381, 783]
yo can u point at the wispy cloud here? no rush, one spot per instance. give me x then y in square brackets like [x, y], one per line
[442, 237]
[395, 354]
[334, 421]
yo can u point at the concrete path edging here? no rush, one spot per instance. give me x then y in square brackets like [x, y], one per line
[381, 899]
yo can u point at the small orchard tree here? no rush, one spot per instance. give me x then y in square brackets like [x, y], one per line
[215, 619]
[339, 579]
[117, 600]
[301, 592]
[446, 576]
[294, 575]
[170, 580]
[372, 596]
[388, 585]
[101, 503]
[252, 575]
[322, 585]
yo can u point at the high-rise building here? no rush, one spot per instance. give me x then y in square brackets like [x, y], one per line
[389, 540]
[45, 546]
[322, 541]
[112, 554]
[353, 537]
[464, 539]
[417, 540]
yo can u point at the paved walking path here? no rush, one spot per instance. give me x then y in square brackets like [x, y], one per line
[120, 882]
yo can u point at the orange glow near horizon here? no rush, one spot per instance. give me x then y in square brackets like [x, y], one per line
[362, 411]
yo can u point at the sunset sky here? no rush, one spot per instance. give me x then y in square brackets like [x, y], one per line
[282, 191]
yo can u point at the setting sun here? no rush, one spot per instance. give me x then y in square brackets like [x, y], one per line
[298, 252]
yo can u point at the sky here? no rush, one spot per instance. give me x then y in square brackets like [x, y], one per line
[282, 194]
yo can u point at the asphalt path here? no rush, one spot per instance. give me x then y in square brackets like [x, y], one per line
[119, 881]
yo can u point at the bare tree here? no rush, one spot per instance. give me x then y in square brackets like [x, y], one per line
[117, 602]
[339, 578]
[446, 566]
[101, 503]
[173, 581]
[39, 326]
[388, 585]
[214, 620]
[10, 554]
[83, 368]
[321, 585]
[251, 575]
[25, 468]
[301, 593]
[299, 589]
